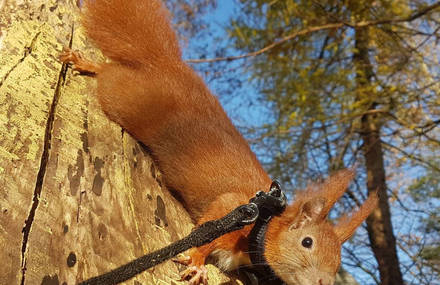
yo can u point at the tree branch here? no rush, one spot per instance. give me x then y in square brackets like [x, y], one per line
[410, 18]
[411, 156]
[329, 26]
[272, 45]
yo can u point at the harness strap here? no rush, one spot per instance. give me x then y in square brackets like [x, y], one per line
[272, 204]
[261, 209]
[205, 233]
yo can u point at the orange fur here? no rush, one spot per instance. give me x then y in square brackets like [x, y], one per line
[318, 265]
[347, 224]
[155, 96]
[160, 100]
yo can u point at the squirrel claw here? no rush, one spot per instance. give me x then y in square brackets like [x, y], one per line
[78, 63]
[69, 56]
[196, 275]
[182, 259]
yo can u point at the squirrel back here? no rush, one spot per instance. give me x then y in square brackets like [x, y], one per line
[131, 32]
[155, 96]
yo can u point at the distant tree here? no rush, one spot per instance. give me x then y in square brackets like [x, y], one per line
[345, 82]
[428, 185]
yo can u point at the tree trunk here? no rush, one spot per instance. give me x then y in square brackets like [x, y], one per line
[379, 225]
[78, 196]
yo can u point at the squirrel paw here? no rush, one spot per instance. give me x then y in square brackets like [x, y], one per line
[196, 275]
[83, 66]
[182, 259]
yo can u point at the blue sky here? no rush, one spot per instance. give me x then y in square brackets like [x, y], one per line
[241, 114]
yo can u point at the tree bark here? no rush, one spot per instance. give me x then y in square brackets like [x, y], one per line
[78, 196]
[379, 227]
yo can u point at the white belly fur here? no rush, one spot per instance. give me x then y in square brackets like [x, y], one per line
[227, 261]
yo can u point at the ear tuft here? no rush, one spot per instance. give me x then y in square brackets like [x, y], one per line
[309, 212]
[334, 187]
[346, 227]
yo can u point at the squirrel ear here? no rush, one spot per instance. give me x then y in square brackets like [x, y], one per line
[347, 225]
[309, 212]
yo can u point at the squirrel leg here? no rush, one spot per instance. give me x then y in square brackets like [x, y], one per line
[196, 272]
[233, 245]
[80, 64]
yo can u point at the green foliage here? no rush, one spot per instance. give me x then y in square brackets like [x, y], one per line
[318, 93]
[426, 186]
[429, 186]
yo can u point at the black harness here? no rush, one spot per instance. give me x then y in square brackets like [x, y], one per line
[269, 204]
[260, 211]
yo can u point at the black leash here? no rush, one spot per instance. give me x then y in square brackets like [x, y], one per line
[271, 203]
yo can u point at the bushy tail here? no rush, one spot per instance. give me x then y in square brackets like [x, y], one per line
[131, 31]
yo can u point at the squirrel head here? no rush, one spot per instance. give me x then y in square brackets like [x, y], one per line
[301, 245]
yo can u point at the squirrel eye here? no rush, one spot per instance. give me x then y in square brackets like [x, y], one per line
[307, 242]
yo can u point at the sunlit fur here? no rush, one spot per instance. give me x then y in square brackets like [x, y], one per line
[158, 98]
[154, 95]
[316, 265]
[227, 260]
[349, 222]
[299, 265]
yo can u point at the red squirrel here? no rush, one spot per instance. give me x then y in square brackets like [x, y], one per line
[153, 94]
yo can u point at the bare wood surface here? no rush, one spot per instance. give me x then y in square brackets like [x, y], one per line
[78, 196]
